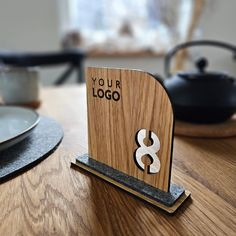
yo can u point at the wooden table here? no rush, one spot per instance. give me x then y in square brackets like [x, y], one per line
[53, 199]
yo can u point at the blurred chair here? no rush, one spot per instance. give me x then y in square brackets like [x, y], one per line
[74, 59]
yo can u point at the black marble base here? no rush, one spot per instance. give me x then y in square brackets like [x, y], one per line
[165, 198]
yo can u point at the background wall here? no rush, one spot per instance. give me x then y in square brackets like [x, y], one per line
[29, 25]
[32, 25]
[218, 23]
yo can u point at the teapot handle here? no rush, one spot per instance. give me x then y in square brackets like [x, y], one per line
[213, 43]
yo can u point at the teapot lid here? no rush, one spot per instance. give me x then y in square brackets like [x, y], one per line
[205, 76]
[201, 73]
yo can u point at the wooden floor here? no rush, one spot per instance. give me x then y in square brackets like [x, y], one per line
[53, 199]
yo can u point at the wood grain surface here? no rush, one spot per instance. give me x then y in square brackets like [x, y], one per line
[53, 199]
[113, 124]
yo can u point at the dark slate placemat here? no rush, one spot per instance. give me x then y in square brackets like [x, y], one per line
[40, 144]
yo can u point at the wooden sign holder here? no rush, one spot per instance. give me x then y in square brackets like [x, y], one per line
[130, 135]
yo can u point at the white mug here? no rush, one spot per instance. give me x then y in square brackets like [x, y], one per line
[19, 86]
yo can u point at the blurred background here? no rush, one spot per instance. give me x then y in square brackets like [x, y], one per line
[117, 33]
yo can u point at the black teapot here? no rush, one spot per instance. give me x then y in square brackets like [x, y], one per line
[201, 96]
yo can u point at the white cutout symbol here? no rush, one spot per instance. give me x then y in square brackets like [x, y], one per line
[151, 151]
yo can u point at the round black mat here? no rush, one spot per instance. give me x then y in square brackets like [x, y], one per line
[40, 144]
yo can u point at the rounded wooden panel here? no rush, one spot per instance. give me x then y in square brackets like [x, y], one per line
[122, 102]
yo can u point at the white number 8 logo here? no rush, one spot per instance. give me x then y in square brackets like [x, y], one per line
[151, 151]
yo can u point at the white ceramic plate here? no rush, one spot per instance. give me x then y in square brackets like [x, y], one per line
[16, 123]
